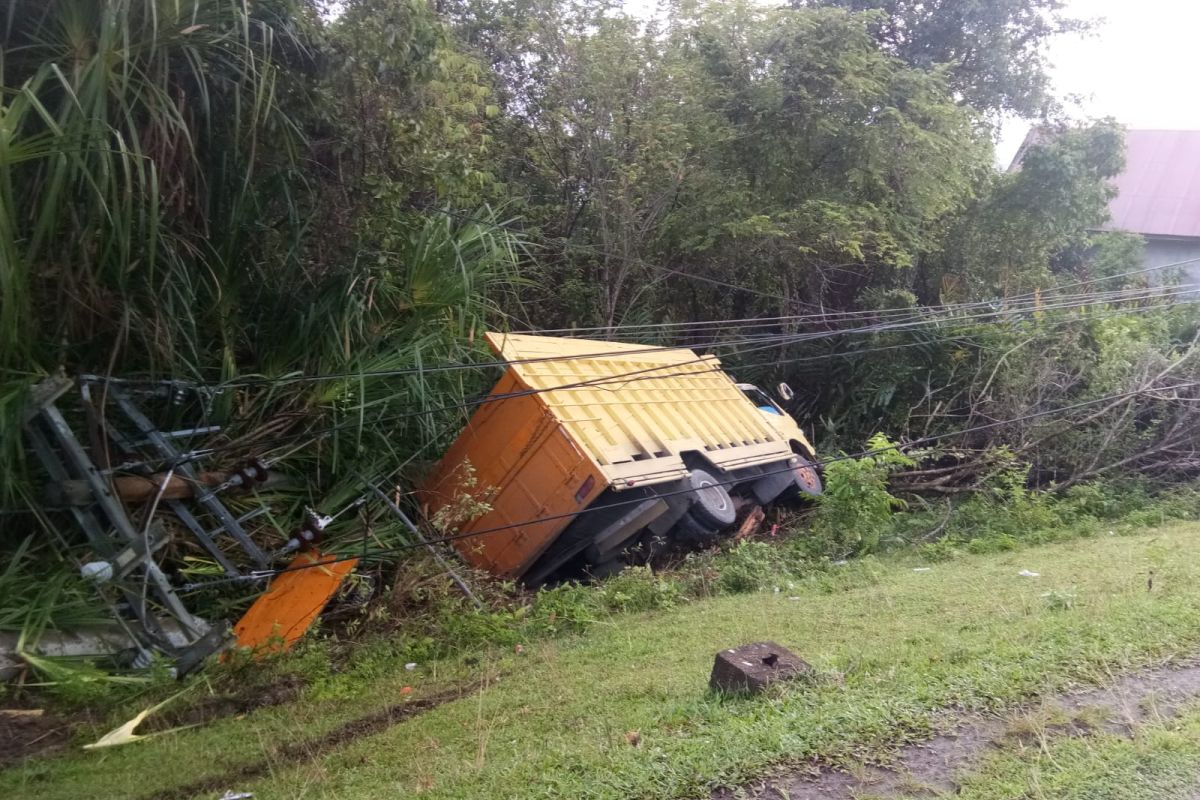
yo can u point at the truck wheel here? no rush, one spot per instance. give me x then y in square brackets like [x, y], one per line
[690, 532]
[805, 477]
[606, 569]
[712, 506]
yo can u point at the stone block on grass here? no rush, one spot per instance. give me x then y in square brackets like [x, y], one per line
[753, 667]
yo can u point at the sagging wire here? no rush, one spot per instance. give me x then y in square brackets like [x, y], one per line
[917, 317]
[600, 381]
[266, 574]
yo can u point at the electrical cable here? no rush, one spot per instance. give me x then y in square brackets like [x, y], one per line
[867, 313]
[926, 342]
[641, 262]
[261, 574]
[701, 327]
[627, 377]
[499, 226]
[915, 320]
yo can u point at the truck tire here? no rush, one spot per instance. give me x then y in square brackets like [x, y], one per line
[712, 506]
[690, 533]
[805, 479]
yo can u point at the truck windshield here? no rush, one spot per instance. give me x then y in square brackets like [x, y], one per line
[762, 400]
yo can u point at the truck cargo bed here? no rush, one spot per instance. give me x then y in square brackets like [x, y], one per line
[573, 418]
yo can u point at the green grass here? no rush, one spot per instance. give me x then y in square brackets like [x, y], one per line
[898, 652]
[1160, 762]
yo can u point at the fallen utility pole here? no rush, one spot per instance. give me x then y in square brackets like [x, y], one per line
[137, 488]
[148, 611]
[150, 602]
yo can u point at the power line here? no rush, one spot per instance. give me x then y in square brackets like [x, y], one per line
[704, 279]
[916, 318]
[935, 340]
[842, 316]
[602, 381]
[702, 327]
[262, 574]
[642, 262]
[824, 316]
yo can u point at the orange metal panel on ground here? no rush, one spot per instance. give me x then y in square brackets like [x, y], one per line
[290, 606]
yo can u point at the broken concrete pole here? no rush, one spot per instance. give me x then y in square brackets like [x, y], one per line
[752, 667]
[90, 641]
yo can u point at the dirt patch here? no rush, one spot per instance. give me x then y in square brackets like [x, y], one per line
[33, 732]
[931, 768]
[38, 733]
[231, 704]
[311, 749]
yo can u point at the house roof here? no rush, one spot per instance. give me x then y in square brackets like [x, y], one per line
[1158, 194]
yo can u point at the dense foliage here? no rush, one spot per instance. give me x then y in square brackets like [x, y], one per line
[246, 194]
[205, 190]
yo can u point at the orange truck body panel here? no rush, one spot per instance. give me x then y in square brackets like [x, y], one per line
[282, 614]
[574, 418]
[524, 466]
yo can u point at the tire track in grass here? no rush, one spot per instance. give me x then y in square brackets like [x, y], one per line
[931, 768]
[305, 751]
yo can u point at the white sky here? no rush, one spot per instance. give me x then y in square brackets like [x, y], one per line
[1138, 66]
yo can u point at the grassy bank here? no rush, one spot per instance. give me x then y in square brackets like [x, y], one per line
[1160, 762]
[623, 711]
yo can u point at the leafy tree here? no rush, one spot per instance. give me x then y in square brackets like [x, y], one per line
[781, 150]
[848, 161]
[130, 162]
[204, 189]
[1032, 219]
[993, 52]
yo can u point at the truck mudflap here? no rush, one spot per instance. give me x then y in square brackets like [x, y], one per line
[771, 486]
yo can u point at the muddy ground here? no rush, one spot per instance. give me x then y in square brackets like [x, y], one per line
[931, 768]
[34, 733]
[305, 751]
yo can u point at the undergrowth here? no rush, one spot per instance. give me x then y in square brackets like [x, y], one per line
[422, 618]
[425, 619]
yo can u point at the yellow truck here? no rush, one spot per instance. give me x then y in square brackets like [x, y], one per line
[586, 450]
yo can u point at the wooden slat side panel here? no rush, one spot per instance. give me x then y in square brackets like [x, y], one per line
[636, 415]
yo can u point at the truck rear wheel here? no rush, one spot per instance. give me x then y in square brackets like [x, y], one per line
[712, 506]
[692, 533]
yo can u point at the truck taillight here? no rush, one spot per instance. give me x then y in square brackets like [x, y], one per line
[585, 489]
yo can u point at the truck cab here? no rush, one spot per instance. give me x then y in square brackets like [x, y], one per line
[781, 421]
[806, 479]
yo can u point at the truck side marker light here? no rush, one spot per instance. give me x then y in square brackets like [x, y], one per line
[585, 489]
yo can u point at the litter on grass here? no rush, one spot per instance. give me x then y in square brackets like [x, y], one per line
[125, 733]
[1027, 574]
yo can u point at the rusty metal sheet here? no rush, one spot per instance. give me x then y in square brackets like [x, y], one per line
[291, 604]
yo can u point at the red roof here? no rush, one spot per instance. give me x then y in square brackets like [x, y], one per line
[1158, 194]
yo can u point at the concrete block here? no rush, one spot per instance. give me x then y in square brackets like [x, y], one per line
[753, 667]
